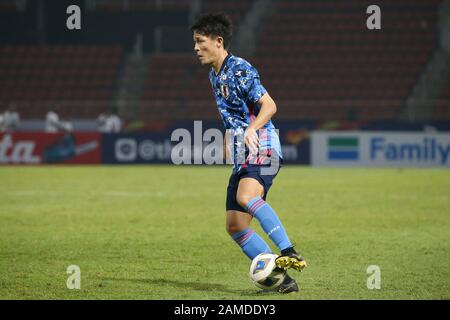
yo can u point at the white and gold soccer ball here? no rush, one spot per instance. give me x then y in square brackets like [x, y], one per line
[263, 272]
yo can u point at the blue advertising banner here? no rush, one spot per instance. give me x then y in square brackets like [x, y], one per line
[146, 147]
[156, 146]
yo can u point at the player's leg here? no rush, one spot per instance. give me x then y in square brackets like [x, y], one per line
[248, 190]
[237, 221]
[238, 224]
[238, 227]
[250, 195]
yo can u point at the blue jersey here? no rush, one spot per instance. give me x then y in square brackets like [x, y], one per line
[237, 89]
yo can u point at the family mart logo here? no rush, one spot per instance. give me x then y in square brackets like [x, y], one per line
[343, 148]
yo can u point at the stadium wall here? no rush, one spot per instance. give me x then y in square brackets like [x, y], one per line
[306, 143]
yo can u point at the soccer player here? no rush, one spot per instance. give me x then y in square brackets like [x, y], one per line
[246, 109]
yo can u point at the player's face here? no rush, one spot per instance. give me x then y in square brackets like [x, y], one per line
[206, 48]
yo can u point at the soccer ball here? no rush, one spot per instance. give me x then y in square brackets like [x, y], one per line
[263, 273]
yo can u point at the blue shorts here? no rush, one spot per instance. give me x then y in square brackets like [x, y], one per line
[260, 172]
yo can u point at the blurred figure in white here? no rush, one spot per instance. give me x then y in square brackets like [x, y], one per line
[113, 123]
[67, 126]
[54, 124]
[11, 119]
[101, 122]
[109, 122]
[2, 123]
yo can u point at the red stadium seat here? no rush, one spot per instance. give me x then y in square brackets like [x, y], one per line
[59, 73]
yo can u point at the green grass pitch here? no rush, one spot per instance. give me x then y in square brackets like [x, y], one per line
[158, 232]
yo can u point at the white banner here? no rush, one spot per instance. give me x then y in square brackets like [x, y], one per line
[380, 149]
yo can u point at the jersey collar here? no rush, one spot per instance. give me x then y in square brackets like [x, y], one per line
[223, 63]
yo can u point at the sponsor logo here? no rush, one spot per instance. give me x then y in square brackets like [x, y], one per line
[129, 150]
[65, 148]
[126, 150]
[17, 151]
[343, 148]
[429, 149]
[274, 229]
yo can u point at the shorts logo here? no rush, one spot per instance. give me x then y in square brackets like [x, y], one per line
[224, 90]
[343, 148]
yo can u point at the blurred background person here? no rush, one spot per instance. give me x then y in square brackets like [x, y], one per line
[11, 119]
[109, 122]
[101, 122]
[53, 123]
[2, 123]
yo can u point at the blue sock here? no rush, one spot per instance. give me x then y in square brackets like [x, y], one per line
[251, 243]
[269, 221]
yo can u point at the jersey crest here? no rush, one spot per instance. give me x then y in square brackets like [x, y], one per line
[224, 90]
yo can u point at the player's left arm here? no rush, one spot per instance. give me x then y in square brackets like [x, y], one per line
[267, 109]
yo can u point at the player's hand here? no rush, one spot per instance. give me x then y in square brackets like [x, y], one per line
[251, 140]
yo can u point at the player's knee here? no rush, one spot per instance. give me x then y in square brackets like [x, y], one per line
[233, 228]
[244, 199]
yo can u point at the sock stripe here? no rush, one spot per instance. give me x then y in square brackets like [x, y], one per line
[242, 237]
[253, 207]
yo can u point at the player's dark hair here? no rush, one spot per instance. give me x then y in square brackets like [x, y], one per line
[215, 25]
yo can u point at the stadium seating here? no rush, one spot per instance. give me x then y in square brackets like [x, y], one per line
[141, 5]
[78, 78]
[179, 83]
[325, 64]
[319, 61]
[8, 6]
[316, 57]
[442, 106]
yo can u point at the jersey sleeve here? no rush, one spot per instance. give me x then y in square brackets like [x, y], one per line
[249, 83]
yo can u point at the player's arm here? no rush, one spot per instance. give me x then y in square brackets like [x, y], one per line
[267, 109]
[226, 147]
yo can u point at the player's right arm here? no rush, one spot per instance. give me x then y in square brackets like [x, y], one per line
[226, 147]
[254, 93]
[267, 109]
